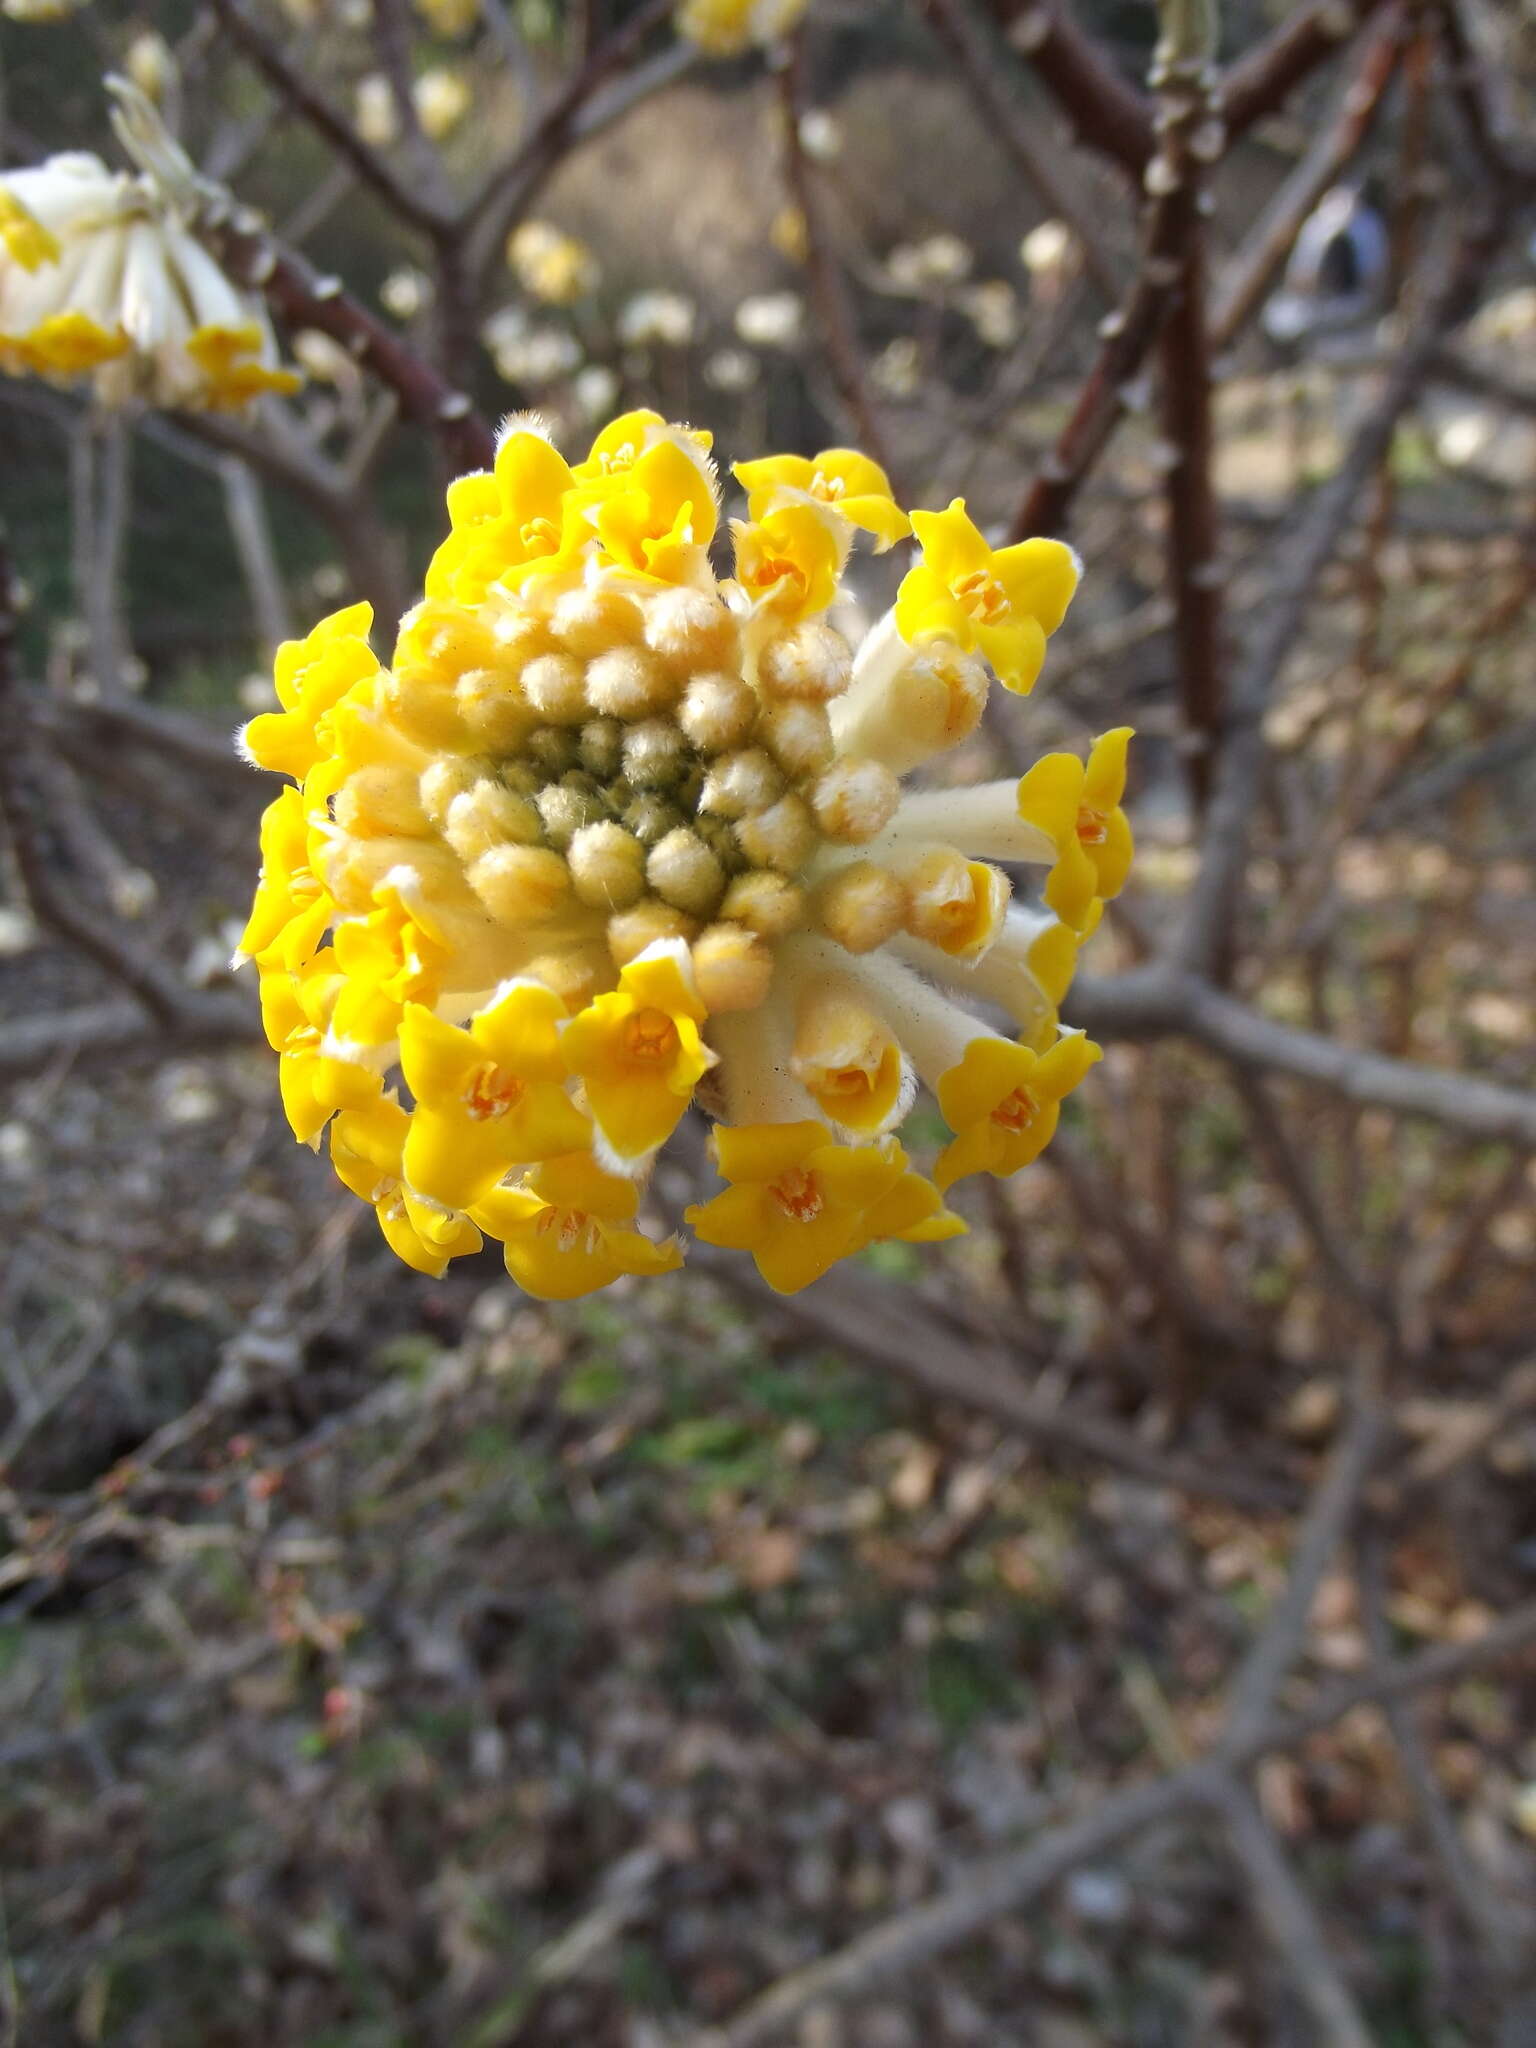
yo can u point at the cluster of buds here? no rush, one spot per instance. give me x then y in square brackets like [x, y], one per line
[725, 28]
[611, 834]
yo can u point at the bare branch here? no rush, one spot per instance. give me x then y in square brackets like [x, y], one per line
[1107, 114]
[1261, 82]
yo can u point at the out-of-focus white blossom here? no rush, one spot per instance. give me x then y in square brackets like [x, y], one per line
[771, 320]
[657, 318]
[820, 136]
[595, 391]
[1046, 247]
[40, 10]
[549, 264]
[405, 292]
[442, 99]
[932, 264]
[731, 369]
[993, 310]
[151, 64]
[374, 111]
[896, 370]
[524, 354]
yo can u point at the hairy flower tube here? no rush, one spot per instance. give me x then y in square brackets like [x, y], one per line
[613, 835]
[101, 282]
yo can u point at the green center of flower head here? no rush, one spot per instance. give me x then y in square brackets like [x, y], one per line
[611, 830]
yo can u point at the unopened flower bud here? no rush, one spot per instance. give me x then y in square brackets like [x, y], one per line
[686, 873]
[629, 682]
[589, 620]
[854, 800]
[811, 660]
[741, 784]
[607, 866]
[780, 837]
[718, 711]
[600, 747]
[766, 903]
[555, 686]
[553, 750]
[653, 753]
[446, 778]
[650, 817]
[799, 736]
[382, 798]
[955, 904]
[691, 630]
[861, 906]
[732, 967]
[631, 931]
[574, 974]
[564, 809]
[521, 885]
[493, 709]
[490, 815]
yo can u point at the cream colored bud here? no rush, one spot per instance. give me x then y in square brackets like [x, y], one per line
[738, 785]
[629, 682]
[847, 1057]
[650, 818]
[861, 906]
[720, 834]
[447, 778]
[564, 809]
[424, 710]
[490, 815]
[521, 885]
[607, 866]
[382, 798]
[799, 735]
[653, 753]
[518, 632]
[631, 931]
[574, 973]
[812, 661]
[600, 747]
[555, 686]
[718, 711]
[686, 873]
[352, 869]
[553, 750]
[766, 903]
[732, 967]
[781, 837]
[934, 700]
[521, 777]
[493, 709]
[589, 620]
[854, 800]
[691, 630]
[955, 904]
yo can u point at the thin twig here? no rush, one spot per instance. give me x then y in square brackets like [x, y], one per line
[1107, 114]
[1260, 83]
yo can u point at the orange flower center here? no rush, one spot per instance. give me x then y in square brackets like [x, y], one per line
[1016, 1112]
[982, 597]
[1092, 826]
[570, 1228]
[848, 1081]
[798, 1194]
[769, 571]
[650, 1037]
[491, 1093]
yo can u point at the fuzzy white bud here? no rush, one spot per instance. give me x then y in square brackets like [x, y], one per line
[811, 661]
[628, 682]
[854, 800]
[686, 873]
[718, 711]
[607, 866]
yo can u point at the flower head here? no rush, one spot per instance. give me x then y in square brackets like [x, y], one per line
[100, 280]
[724, 28]
[613, 835]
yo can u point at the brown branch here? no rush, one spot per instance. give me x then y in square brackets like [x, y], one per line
[1015, 1878]
[1011, 127]
[1107, 114]
[1260, 83]
[828, 287]
[1256, 264]
[1107, 392]
[295, 89]
[1508, 160]
[1154, 1002]
[303, 298]
[1240, 771]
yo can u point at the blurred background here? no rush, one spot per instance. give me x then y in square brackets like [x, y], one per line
[394, 1661]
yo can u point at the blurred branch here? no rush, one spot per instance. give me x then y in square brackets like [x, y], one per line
[1107, 114]
[1259, 84]
[1014, 131]
[828, 287]
[1256, 263]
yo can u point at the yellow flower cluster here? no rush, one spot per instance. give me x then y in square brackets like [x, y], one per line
[611, 835]
[99, 280]
[725, 28]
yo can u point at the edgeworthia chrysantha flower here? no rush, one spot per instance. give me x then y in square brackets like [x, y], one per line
[611, 836]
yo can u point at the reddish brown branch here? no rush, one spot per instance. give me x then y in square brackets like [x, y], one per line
[1194, 561]
[1107, 114]
[828, 287]
[1260, 83]
[1015, 133]
[303, 298]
